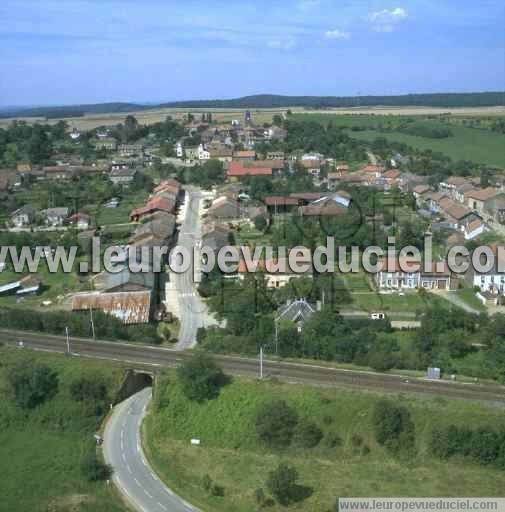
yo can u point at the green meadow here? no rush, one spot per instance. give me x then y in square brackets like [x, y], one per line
[231, 455]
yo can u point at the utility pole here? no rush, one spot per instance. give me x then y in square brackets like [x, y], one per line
[276, 338]
[68, 341]
[92, 323]
[261, 362]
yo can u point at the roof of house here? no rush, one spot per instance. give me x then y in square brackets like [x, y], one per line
[392, 174]
[129, 307]
[421, 189]
[296, 310]
[456, 180]
[57, 212]
[372, 168]
[244, 154]
[237, 168]
[123, 173]
[24, 167]
[324, 209]
[223, 153]
[280, 201]
[474, 225]
[457, 211]
[126, 276]
[160, 229]
[311, 164]
[482, 194]
[79, 216]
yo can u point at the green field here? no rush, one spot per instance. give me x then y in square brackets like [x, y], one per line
[41, 449]
[473, 144]
[232, 456]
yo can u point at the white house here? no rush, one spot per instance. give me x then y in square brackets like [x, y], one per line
[56, 216]
[203, 154]
[23, 216]
[409, 276]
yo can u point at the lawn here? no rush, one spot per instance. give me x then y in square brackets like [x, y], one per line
[41, 449]
[476, 145]
[232, 456]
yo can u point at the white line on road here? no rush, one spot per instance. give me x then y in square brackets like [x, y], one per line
[162, 506]
[150, 496]
[137, 482]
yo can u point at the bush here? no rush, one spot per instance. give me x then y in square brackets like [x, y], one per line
[307, 434]
[276, 423]
[200, 377]
[32, 384]
[282, 483]
[207, 483]
[94, 470]
[259, 496]
[392, 425]
[87, 388]
[332, 440]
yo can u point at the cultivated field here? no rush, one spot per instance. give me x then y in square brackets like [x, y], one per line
[89, 122]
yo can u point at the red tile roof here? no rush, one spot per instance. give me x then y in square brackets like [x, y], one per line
[237, 168]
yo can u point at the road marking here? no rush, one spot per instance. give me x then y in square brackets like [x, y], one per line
[148, 494]
[162, 506]
[123, 456]
[137, 482]
[129, 468]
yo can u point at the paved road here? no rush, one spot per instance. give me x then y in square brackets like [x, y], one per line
[146, 356]
[122, 449]
[192, 310]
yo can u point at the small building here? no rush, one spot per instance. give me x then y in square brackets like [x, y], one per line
[244, 155]
[226, 207]
[275, 277]
[122, 176]
[108, 143]
[24, 216]
[79, 220]
[56, 216]
[298, 311]
[126, 150]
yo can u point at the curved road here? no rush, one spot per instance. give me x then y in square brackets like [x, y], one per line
[122, 449]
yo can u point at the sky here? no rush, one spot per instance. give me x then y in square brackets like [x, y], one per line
[55, 52]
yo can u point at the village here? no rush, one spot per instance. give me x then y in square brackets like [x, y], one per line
[251, 189]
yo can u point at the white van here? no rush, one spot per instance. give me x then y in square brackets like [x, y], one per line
[377, 316]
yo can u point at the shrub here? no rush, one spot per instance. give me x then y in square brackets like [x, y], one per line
[275, 423]
[200, 377]
[307, 434]
[282, 483]
[332, 440]
[392, 425]
[32, 384]
[88, 388]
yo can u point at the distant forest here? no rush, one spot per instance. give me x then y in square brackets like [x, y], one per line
[442, 100]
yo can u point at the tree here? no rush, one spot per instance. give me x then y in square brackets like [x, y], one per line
[275, 423]
[277, 120]
[392, 425]
[282, 483]
[39, 145]
[200, 377]
[260, 222]
[32, 384]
